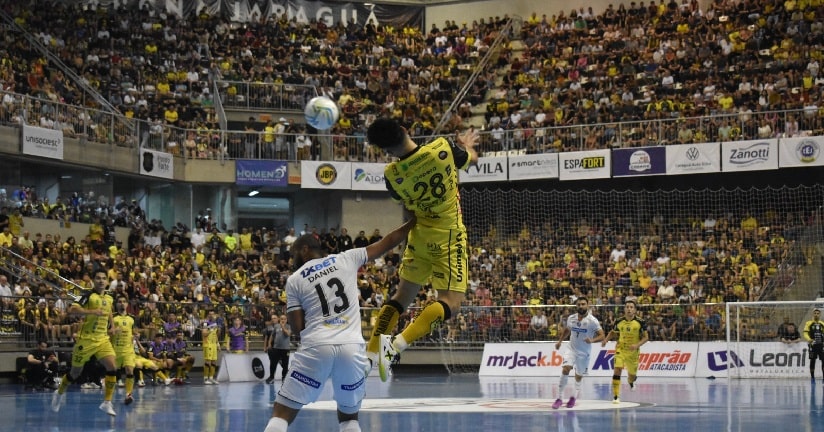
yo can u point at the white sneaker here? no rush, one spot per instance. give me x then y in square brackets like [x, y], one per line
[108, 408]
[167, 381]
[87, 386]
[57, 400]
[388, 355]
[615, 400]
[141, 383]
[120, 383]
[209, 381]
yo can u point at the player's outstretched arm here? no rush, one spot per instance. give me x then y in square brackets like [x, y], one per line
[607, 338]
[468, 139]
[389, 241]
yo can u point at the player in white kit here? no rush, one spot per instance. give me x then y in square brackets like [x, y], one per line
[583, 329]
[322, 305]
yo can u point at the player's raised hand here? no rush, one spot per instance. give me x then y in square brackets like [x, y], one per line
[469, 138]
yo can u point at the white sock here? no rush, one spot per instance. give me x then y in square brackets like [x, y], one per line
[350, 426]
[399, 343]
[577, 389]
[276, 424]
[562, 385]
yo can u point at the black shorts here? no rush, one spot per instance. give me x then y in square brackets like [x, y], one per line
[817, 351]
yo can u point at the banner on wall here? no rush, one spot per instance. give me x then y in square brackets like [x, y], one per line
[584, 165]
[156, 164]
[701, 158]
[532, 167]
[250, 172]
[542, 359]
[368, 176]
[488, 169]
[752, 155]
[801, 152]
[42, 142]
[325, 175]
[753, 360]
[639, 161]
[302, 11]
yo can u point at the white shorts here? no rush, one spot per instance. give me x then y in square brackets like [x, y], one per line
[578, 360]
[309, 368]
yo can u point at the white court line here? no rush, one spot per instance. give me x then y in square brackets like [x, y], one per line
[474, 405]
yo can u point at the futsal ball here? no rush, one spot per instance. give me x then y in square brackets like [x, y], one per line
[321, 113]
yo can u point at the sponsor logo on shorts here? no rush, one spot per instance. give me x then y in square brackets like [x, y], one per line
[305, 379]
[352, 387]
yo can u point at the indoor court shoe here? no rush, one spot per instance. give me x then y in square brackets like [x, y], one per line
[557, 404]
[615, 400]
[571, 402]
[107, 408]
[129, 399]
[388, 355]
[57, 401]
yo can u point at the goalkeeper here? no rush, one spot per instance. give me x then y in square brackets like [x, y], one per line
[425, 180]
[814, 335]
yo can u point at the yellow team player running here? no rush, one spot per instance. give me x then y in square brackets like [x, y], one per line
[93, 341]
[122, 336]
[632, 333]
[425, 180]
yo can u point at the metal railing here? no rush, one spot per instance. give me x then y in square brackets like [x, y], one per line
[215, 142]
[255, 96]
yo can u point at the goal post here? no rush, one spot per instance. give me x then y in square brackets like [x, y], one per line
[757, 346]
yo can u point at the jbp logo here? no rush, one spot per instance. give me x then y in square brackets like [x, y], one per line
[257, 368]
[718, 361]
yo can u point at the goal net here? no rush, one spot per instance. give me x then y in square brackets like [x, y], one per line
[766, 340]
[550, 244]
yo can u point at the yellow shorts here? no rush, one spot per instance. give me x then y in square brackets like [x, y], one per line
[85, 349]
[210, 353]
[124, 359]
[627, 360]
[437, 256]
[144, 363]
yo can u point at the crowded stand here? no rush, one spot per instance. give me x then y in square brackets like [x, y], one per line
[577, 80]
[520, 278]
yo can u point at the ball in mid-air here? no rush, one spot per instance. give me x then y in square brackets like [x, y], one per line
[321, 113]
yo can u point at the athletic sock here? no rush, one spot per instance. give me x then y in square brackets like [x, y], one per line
[129, 384]
[387, 320]
[562, 385]
[616, 386]
[430, 318]
[111, 382]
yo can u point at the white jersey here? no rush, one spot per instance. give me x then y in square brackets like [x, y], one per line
[580, 330]
[327, 291]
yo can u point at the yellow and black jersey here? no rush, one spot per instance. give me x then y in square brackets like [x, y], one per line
[426, 181]
[96, 327]
[814, 332]
[630, 332]
[122, 340]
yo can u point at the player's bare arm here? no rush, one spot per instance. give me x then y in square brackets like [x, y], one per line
[644, 339]
[564, 334]
[607, 338]
[389, 241]
[599, 336]
[468, 140]
[297, 319]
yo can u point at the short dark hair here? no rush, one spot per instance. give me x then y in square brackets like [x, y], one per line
[385, 133]
[309, 241]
